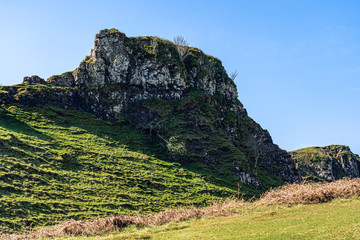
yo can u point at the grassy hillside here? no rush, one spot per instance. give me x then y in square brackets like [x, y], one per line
[57, 164]
[198, 131]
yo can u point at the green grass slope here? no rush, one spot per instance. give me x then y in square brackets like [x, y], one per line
[334, 220]
[57, 164]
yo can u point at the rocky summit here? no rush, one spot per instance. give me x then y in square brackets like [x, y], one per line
[180, 97]
[327, 163]
[134, 69]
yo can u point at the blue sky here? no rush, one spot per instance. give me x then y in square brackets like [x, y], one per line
[298, 61]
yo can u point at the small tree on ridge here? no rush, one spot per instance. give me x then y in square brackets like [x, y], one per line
[233, 75]
[182, 47]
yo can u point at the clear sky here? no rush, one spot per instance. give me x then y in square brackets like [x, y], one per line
[298, 61]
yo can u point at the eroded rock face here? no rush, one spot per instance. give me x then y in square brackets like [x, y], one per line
[33, 80]
[327, 163]
[145, 68]
[268, 155]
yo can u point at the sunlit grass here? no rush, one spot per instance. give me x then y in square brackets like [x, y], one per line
[334, 220]
[58, 164]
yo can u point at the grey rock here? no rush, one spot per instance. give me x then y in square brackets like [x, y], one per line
[124, 62]
[327, 163]
[33, 80]
[63, 80]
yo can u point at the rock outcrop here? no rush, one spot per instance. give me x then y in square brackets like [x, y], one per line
[33, 80]
[145, 68]
[188, 104]
[327, 163]
[63, 80]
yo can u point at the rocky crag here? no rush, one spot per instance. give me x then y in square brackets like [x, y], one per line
[327, 163]
[180, 96]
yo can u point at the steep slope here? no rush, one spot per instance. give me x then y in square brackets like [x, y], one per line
[327, 163]
[172, 112]
[57, 164]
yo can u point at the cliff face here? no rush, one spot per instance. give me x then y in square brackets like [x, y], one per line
[187, 105]
[133, 69]
[327, 163]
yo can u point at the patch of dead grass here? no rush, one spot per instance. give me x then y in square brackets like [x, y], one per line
[306, 193]
[72, 227]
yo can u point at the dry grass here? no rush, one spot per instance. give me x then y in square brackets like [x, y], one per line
[304, 193]
[109, 224]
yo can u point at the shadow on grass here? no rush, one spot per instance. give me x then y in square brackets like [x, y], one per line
[10, 122]
[124, 133]
[135, 140]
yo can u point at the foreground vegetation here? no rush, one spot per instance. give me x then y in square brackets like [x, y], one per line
[335, 220]
[59, 164]
[276, 215]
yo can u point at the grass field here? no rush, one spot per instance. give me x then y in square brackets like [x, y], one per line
[338, 219]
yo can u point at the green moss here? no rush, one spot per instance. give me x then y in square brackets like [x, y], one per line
[88, 60]
[113, 31]
[61, 75]
[319, 149]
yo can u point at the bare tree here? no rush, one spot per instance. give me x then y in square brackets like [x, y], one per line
[233, 75]
[154, 44]
[255, 144]
[182, 47]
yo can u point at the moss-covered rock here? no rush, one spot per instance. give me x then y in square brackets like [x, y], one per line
[326, 163]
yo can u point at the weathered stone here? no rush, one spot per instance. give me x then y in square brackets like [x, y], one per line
[328, 163]
[63, 80]
[124, 61]
[33, 80]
